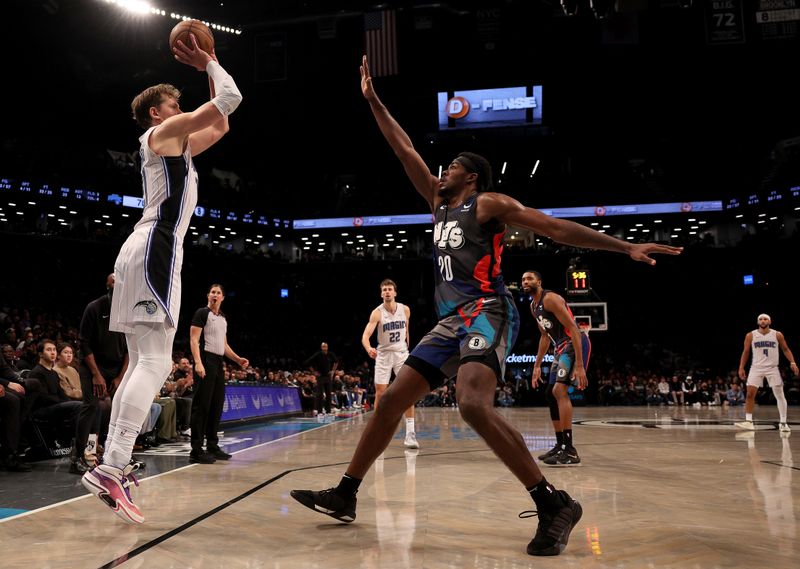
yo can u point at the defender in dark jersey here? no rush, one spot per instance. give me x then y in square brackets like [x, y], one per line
[478, 325]
[571, 350]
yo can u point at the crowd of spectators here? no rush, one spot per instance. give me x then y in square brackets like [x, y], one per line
[43, 359]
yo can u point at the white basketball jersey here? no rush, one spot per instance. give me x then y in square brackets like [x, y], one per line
[392, 329]
[765, 350]
[169, 189]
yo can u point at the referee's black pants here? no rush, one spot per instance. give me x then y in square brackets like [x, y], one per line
[207, 403]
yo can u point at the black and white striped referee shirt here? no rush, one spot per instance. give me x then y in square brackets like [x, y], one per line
[215, 327]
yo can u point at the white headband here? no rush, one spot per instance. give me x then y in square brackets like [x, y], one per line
[762, 315]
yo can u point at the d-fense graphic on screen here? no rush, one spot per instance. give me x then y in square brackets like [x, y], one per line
[485, 108]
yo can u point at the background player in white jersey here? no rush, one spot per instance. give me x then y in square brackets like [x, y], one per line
[391, 319]
[764, 343]
[147, 291]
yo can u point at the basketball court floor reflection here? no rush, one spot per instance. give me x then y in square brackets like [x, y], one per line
[660, 487]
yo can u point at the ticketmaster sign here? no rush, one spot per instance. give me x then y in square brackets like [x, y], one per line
[526, 358]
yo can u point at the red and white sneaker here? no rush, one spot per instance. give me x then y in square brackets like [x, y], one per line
[111, 485]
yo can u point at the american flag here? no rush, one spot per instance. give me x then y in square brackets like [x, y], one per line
[380, 34]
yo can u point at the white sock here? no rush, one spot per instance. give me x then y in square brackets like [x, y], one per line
[748, 416]
[409, 425]
[781, 399]
[119, 452]
[110, 436]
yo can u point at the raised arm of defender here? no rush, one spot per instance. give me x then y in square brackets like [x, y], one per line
[414, 165]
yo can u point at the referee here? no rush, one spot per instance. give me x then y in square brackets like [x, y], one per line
[209, 386]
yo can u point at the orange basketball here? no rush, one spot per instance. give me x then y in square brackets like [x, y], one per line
[205, 39]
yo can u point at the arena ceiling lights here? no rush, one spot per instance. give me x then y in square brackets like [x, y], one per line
[145, 8]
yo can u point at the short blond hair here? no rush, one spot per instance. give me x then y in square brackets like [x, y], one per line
[151, 97]
[388, 282]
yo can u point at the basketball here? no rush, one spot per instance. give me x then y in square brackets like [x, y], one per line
[181, 31]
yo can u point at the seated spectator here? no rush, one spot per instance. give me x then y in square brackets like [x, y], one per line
[676, 391]
[9, 362]
[10, 425]
[166, 427]
[54, 406]
[652, 393]
[735, 396]
[147, 436]
[180, 387]
[71, 386]
[663, 390]
[70, 380]
[689, 389]
[705, 395]
[504, 396]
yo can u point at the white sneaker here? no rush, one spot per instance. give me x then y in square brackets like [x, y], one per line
[186, 432]
[411, 440]
[784, 428]
[748, 425]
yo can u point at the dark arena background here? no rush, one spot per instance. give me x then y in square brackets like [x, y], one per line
[669, 121]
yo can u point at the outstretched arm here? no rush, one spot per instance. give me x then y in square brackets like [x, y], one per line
[511, 212]
[787, 352]
[415, 167]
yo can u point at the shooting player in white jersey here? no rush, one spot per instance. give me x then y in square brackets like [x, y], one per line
[764, 343]
[391, 319]
[147, 291]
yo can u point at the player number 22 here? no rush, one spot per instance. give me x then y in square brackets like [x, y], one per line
[394, 337]
[446, 267]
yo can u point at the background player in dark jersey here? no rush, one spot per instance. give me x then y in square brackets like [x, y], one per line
[478, 324]
[571, 350]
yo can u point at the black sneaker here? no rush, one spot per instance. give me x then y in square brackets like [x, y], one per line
[219, 454]
[201, 457]
[564, 457]
[328, 502]
[137, 464]
[552, 452]
[554, 528]
[78, 466]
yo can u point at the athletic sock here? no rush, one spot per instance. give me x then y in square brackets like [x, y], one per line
[545, 496]
[348, 486]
